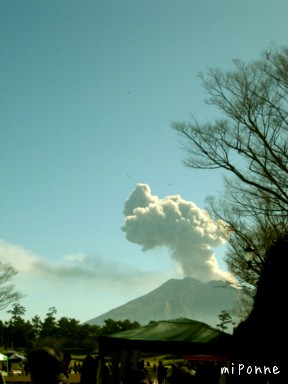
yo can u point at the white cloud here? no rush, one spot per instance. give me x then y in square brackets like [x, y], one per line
[76, 257]
[72, 272]
[20, 258]
[78, 285]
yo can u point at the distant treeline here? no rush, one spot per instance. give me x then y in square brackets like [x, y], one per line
[64, 333]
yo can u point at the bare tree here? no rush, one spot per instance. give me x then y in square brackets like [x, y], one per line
[7, 293]
[250, 145]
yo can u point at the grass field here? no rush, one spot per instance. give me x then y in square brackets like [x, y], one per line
[73, 378]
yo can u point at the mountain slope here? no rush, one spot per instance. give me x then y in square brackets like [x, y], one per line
[176, 298]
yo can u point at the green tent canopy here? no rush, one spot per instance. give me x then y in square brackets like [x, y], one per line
[183, 336]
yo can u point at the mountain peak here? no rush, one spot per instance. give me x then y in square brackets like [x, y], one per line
[176, 298]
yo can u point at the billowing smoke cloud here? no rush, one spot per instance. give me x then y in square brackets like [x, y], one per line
[185, 229]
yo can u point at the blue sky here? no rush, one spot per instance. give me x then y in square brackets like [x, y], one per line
[88, 93]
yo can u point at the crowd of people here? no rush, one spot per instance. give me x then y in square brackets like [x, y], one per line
[49, 366]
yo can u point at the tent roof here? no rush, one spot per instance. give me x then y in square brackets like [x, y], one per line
[174, 336]
[17, 357]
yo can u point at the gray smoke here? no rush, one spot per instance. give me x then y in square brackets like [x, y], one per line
[185, 229]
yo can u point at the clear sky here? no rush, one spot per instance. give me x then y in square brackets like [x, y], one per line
[89, 163]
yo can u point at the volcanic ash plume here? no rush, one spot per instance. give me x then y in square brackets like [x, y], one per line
[186, 230]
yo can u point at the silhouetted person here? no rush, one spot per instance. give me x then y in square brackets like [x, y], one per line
[2, 379]
[89, 370]
[161, 373]
[75, 367]
[46, 366]
[66, 362]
